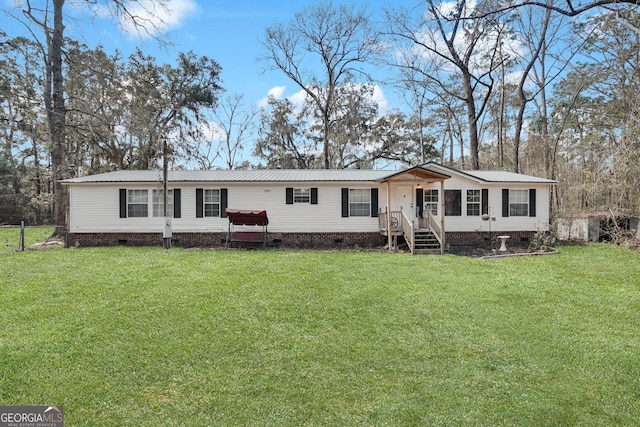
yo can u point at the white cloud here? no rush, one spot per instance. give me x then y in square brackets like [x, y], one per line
[216, 132]
[380, 99]
[275, 92]
[450, 9]
[300, 97]
[156, 18]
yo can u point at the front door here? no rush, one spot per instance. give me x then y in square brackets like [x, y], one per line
[405, 201]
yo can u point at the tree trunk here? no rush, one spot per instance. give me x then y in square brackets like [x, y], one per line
[56, 117]
[473, 123]
[518, 131]
[325, 140]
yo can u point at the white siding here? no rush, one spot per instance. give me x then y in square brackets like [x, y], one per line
[497, 222]
[324, 217]
[95, 209]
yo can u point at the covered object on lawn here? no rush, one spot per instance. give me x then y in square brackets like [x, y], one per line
[244, 226]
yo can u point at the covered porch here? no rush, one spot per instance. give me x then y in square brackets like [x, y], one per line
[404, 214]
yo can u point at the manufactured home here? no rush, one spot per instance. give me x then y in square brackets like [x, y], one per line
[429, 207]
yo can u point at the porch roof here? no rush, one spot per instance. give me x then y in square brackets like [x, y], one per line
[416, 172]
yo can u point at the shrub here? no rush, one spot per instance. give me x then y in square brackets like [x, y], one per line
[544, 241]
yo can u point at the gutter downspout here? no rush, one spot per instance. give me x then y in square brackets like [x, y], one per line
[389, 238]
[444, 234]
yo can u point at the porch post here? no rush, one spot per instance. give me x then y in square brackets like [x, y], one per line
[444, 234]
[389, 238]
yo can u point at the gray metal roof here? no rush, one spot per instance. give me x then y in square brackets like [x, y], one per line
[504, 176]
[262, 175]
[490, 176]
[292, 175]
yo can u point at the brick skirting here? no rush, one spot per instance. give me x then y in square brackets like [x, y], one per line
[189, 240]
[479, 239]
[290, 240]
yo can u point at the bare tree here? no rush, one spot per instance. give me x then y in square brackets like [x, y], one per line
[341, 39]
[417, 91]
[449, 43]
[535, 51]
[539, 31]
[569, 8]
[235, 124]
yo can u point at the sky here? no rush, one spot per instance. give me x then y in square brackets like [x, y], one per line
[227, 31]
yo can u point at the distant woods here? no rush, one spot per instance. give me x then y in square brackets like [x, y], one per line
[487, 85]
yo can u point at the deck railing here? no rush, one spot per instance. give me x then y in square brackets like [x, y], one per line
[433, 225]
[401, 224]
[408, 231]
[396, 222]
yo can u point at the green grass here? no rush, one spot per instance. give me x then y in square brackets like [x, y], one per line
[10, 237]
[145, 337]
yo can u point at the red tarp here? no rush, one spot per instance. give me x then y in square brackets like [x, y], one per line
[247, 217]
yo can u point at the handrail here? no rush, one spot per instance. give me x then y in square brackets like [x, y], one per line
[434, 226]
[399, 223]
[408, 231]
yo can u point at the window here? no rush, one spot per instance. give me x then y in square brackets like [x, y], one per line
[211, 203]
[518, 202]
[137, 203]
[473, 202]
[158, 203]
[453, 202]
[431, 201]
[359, 202]
[301, 195]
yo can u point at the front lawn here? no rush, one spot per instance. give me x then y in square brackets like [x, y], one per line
[146, 337]
[10, 237]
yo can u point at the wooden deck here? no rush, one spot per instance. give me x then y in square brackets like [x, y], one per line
[427, 238]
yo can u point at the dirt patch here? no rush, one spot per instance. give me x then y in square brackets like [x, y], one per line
[492, 253]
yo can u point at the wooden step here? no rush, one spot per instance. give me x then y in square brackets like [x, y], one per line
[426, 243]
[427, 251]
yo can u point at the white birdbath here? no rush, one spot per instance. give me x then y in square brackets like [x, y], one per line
[503, 243]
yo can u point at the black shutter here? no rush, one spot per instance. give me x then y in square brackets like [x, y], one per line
[199, 203]
[485, 202]
[289, 195]
[314, 196]
[419, 201]
[345, 202]
[532, 202]
[123, 203]
[505, 202]
[223, 202]
[374, 202]
[177, 203]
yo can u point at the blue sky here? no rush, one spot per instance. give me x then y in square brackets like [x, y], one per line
[226, 31]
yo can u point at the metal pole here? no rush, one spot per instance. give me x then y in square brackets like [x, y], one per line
[166, 230]
[389, 230]
[442, 230]
[21, 243]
